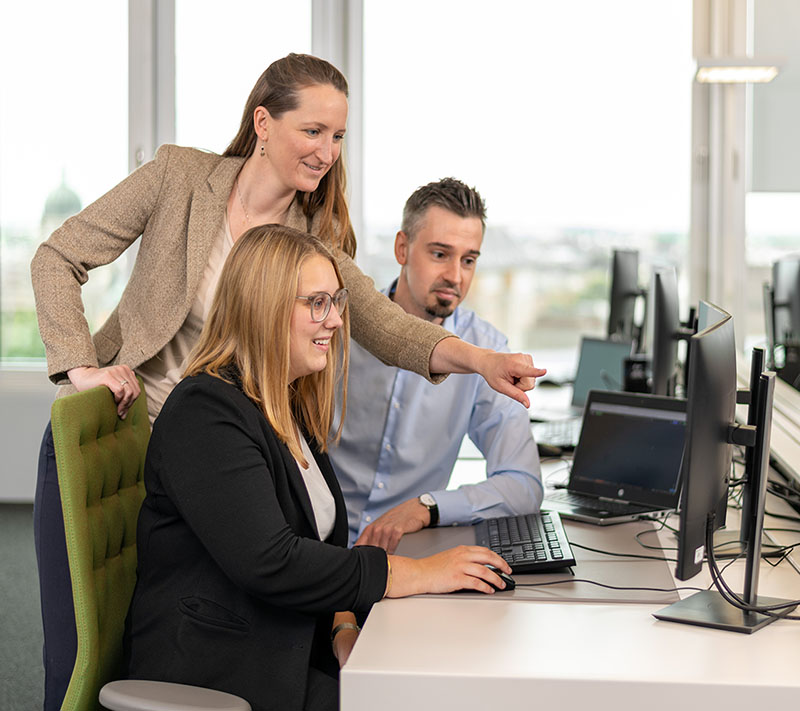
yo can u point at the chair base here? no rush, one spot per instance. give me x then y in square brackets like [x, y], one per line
[140, 695]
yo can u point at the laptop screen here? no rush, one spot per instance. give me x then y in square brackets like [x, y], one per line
[630, 448]
[600, 367]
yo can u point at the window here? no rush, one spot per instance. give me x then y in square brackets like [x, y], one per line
[220, 51]
[573, 121]
[63, 141]
[773, 232]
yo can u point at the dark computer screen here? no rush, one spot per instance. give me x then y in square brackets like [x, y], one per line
[631, 446]
[786, 299]
[624, 290]
[600, 367]
[705, 471]
[666, 327]
[707, 457]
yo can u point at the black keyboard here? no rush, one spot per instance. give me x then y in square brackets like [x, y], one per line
[531, 543]
[558, 433]
[595, 504]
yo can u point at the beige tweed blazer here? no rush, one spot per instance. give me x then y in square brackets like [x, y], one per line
[175, 203]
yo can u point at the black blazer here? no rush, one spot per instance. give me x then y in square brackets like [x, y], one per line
[235, 590]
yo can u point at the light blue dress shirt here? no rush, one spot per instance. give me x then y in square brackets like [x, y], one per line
[402, 435]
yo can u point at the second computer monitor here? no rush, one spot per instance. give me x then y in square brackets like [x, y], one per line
[666, 331]
[707, 455]
[624, 290]
[786, 299]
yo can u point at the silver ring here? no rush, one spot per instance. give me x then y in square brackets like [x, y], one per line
[123, 382]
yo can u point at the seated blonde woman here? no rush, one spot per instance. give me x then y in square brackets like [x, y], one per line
[245, 581]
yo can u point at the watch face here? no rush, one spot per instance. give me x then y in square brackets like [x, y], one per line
[427, 500]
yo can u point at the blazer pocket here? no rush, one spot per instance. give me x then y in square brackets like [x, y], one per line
[211, 613]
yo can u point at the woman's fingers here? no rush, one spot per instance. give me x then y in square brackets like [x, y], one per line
[119, 379]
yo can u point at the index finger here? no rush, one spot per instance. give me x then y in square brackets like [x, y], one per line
[488, 557]
[524, 370]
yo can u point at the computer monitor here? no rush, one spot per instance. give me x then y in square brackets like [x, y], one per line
[786, 299]
[705, 469]
[624, 290]
[769, 323]
[666, 331]
[601, 366]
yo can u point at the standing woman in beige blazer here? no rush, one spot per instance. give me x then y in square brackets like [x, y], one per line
[187, 208]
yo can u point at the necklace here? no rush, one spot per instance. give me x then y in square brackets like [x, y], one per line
[241, 201]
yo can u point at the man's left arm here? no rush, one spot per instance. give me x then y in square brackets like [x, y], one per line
[501, 430]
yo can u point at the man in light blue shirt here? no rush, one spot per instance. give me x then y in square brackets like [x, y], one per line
[401, 434]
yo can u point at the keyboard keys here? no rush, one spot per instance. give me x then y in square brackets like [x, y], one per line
[530, 543]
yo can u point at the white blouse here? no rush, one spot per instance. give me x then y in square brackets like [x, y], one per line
[322, 500]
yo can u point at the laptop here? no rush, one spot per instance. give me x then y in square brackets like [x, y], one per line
[600, 367]
[627, 461]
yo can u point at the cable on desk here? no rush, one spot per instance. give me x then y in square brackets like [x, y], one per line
[605, 585]
[560, 485]
[784, 493]
[664, 525]
[782, 530]
[622, 555]
[773, 549]
[732, 598]
[782, 517]
[724, 567]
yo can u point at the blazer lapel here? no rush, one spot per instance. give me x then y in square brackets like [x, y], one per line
[208, 204]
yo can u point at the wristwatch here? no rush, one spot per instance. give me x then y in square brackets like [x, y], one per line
[430, 503]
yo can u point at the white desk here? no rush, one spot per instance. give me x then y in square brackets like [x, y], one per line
[432, 653]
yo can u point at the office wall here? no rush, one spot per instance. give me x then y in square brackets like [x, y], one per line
[25, 400]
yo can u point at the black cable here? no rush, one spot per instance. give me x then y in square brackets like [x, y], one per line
[621, 555]
[725, 567]
[732, 598]
[567, 466]
[782, 530]
[782, 517]
[791, 498]
[785, 552]
[604, 585]
[663, 525]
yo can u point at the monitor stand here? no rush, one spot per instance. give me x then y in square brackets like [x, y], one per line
[710, 609]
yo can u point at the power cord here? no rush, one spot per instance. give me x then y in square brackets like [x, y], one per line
[732, 598]
[622, 555]
[604, 585]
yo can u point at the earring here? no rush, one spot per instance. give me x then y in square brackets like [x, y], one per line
[262, 150]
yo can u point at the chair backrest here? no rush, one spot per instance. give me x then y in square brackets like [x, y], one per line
[100, 460]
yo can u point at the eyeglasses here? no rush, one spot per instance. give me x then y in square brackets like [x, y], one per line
[320, 303]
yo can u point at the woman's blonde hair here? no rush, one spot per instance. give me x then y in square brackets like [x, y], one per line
[277, 91]
[249, 327]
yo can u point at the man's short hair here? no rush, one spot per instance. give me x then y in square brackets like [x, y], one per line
[447, 193]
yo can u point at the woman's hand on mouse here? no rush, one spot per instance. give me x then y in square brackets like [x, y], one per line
[460, 568]
[119, 379]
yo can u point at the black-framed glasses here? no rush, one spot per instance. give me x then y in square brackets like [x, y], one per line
[320, 303]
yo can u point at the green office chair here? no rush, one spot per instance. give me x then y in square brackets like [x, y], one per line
[100, 461]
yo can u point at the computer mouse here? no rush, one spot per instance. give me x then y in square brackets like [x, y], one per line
[505, 577]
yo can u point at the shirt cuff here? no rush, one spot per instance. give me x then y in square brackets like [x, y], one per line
[454, 507]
